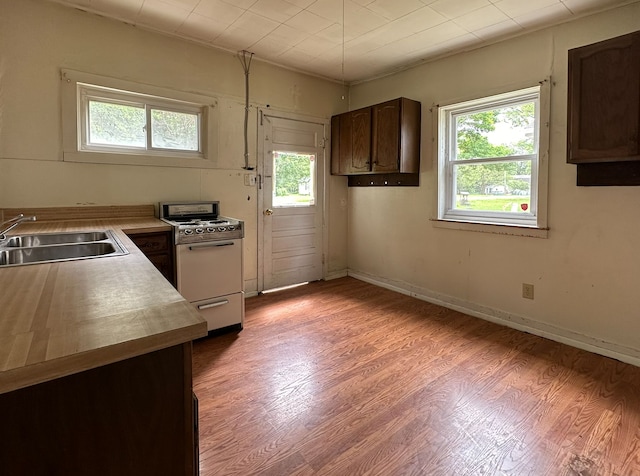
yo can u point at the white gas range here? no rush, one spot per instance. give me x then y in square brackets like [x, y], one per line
[209, 260]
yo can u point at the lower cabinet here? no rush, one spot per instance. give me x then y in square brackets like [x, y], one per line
[158, 249]
[134, 417]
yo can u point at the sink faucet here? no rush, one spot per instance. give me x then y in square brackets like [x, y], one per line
[15, 221]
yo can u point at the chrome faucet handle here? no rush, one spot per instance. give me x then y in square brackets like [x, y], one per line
[11, 220]
[14, 222]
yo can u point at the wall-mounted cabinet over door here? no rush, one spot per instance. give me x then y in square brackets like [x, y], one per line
[380, 139]
[603, 120]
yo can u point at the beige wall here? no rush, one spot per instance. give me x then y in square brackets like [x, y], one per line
[586, 274]
[39, 38]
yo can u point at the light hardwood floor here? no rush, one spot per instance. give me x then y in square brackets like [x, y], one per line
[346, 378]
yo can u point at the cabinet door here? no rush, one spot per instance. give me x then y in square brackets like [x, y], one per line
[132, 417]
[386, 137]
[381, 139]
[157, 247]
[604, 101]
[335, 146]
[355, 141]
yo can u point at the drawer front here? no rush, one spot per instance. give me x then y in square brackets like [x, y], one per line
[152, 242]
[222, 311]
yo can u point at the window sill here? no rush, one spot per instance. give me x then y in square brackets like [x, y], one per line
[133, 159]
[530, 232]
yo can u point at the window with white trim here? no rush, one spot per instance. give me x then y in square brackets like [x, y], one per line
[122, 121]
[490, 160]
[106, 120]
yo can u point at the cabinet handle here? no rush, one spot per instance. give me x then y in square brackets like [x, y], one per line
[213, 304]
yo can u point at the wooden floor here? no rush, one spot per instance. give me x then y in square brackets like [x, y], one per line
[345, 378]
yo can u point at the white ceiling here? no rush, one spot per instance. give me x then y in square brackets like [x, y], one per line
[345, 40]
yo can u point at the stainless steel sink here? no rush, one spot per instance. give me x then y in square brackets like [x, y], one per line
[54, 247]
[44, 239]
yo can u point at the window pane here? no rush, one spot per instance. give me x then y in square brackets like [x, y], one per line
[116, 124]
[500, 132]
[174, 130]
[496, 187]
[293, 179]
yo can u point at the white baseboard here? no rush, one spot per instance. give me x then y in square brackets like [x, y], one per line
[250, 287]
[521, 323]
[336, 274]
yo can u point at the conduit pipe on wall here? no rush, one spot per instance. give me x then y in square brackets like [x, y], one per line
[245, 59]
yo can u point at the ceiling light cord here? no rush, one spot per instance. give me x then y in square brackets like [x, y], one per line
[246, 66]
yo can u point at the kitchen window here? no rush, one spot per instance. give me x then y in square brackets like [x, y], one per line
[492, 159]
[106, 120]
[113, 120]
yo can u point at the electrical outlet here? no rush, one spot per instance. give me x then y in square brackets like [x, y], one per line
[527, 291]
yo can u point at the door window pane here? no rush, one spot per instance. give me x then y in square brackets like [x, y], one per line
[293, 179]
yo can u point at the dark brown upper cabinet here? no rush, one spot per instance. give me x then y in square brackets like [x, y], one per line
[380, 139]
[603, 115]
[351, 142]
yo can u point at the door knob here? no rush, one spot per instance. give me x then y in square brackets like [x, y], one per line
[268, 212]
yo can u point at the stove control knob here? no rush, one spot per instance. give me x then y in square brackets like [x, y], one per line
[188, 232]
[231, 228]
[199, 231]
[211, 229]
[222, 228]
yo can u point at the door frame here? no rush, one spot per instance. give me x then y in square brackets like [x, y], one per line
[260, 160]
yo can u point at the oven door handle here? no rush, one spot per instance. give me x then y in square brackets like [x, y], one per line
[211, 245]
[213, 304]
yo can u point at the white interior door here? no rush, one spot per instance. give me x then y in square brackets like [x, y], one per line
[292, 201]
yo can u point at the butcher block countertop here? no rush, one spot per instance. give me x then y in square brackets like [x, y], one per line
[58, 319]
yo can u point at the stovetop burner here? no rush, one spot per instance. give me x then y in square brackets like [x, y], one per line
[196, 222]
